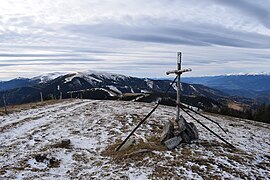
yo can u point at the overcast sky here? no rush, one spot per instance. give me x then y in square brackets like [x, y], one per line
[133, 37]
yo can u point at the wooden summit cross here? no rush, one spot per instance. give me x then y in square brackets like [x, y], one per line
[185, 132]
[178, 73]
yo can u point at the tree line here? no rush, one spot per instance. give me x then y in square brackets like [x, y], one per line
[261, 114]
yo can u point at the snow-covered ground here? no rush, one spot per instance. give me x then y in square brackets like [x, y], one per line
[31, 148]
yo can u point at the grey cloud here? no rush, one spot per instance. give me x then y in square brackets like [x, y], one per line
[46, 63]
[62, 60]
[68, 49]
[158, 38]
[22, 21]
[194, 34]
[258, 9]
[130, 42]
[201, 62]
[150, 64]
[34, 55]
[217, 35]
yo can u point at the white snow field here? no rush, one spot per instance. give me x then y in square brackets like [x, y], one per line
[32, 146]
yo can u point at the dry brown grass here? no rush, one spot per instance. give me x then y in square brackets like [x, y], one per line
[143, 148]
[2, 171]
[236, 106]
[140, 153]
[21, 107]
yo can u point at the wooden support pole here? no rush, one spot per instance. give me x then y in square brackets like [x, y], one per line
[183, 106]
[144, 119]
[133, 131]
[222, 139]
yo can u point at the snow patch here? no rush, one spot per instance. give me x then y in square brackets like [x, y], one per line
[48, 77]
[249, 74]
[113, 88]
[93, 126]
[149, 83]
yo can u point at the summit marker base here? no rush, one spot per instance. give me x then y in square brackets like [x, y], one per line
[172, 137]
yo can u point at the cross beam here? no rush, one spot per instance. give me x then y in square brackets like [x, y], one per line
[178, 72]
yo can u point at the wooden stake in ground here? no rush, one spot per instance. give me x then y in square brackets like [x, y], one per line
[5, 104]
[60, 93]
[41, 97]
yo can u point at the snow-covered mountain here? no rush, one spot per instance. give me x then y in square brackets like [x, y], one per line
[249, 74]
[28, 82]
[48, 77]
[100, 85]
[75, 139]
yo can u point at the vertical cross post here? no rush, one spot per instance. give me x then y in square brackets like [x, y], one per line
[179, 120]
[178, 86]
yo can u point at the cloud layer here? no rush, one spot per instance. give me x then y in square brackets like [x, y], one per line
[137, 38]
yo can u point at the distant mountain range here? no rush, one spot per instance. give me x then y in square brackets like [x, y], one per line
[100, 85]
[223, 91]
[256, 86]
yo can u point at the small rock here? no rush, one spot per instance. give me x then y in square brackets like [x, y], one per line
[191, 133]
[173, 142]
[194, 130]
[65, 143]
[185, 133]
[40, 157]
[54, 163]
[181, 124]
[167, 131]
[186, 138]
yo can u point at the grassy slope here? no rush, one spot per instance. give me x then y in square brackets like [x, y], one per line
[96, 127]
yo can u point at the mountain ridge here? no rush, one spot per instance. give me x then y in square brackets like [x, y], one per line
[256, 86]
[109, 86]
[102, 85]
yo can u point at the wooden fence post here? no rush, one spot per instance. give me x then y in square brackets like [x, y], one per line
[41, 97]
